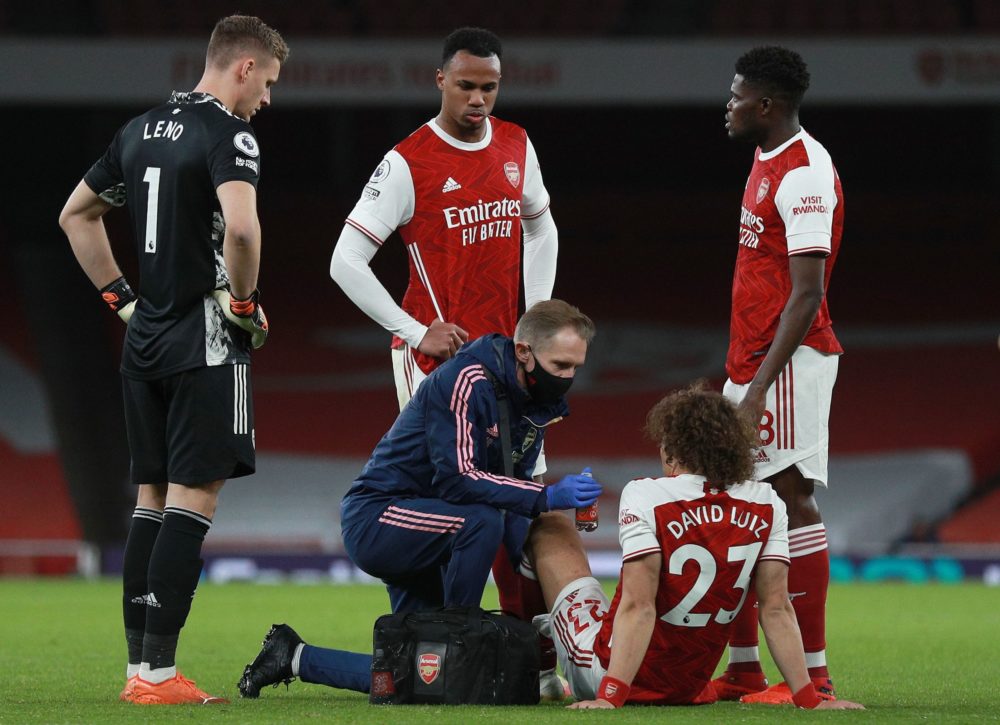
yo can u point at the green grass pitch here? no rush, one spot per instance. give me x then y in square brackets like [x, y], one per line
[910, 653]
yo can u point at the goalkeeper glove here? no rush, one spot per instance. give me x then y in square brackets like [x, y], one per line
[577, 491]
[120, 298]
[246, 314]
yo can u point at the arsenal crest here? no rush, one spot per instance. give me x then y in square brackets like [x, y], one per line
[762, 190]
[429, 667]
[513, 173]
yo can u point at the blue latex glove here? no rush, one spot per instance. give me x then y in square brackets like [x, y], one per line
[576, 491]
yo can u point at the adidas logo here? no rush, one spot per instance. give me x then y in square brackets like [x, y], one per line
[148, 599]
[450, 185]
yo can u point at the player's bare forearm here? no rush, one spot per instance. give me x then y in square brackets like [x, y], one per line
[242, 255]
[635, 617]
[800, 310]
[632, 631]
[777, 619]
[796, 319]
[784, 642]
[241, 244]
[82, 221]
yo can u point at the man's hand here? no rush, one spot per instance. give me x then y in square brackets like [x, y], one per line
[442, 340]
[246, 314]
[120, 298]
[576, 491]
[753, 404]
[591, 705]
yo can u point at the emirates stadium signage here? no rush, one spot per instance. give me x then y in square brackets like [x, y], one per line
[537, 71]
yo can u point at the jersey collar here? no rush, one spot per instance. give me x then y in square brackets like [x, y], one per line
[197, 97]
[771, 154]
[464, 145]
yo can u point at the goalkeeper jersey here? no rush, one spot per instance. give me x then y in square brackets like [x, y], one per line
[165, 166]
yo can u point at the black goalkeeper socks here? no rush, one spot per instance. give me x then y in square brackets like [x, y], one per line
[146, 524]
[174, 569]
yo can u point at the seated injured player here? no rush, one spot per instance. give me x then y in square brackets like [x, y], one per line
[693, 542]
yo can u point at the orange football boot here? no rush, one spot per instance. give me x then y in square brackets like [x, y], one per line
[733, 685]
[781, 694]
[178, 690]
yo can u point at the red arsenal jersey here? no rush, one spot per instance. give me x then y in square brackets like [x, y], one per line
[793, 204]
[458, 208]
[711, 542]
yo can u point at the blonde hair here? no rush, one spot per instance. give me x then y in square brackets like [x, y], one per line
[545, 319]
[238, 35]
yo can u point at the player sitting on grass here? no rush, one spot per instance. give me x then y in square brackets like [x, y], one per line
[693, 542]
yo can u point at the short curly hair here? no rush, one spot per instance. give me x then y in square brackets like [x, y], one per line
[701, 430]
[779, 71]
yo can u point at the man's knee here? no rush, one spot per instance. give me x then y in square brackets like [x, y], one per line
[483, 523]
[551, 530]
[551, 523]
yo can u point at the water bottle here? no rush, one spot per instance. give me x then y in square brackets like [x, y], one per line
[587, 517]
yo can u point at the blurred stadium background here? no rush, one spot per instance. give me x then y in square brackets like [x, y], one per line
[624, 101]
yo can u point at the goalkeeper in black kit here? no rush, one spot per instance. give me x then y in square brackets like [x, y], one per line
[187, 170]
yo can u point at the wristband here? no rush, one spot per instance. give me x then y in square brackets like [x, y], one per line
[807, 697]
[613, 690]
[244, 308]
[118, 294]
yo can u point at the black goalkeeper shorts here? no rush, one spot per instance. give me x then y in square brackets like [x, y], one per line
[191, 428]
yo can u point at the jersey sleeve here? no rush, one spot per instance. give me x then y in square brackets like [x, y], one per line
[805, 201]
[233, 154]
[457, 418]
[105, 178]
[776, 548]
[535, 198]
[636, 530]
[387, 201]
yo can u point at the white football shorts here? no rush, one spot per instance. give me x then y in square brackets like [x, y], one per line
[795, 427]
[406, 373]
[573, 625]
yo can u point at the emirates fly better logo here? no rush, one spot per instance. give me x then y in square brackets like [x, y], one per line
[429, 667]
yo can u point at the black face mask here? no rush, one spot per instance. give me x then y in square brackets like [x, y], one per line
[544, 387]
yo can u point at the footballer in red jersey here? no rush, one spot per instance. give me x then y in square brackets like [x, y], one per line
[783, 354]
[459, 190]
[694, 544]
[465, 192]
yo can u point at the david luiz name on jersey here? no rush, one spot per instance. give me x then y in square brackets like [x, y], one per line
[484, 220]
[714, 514]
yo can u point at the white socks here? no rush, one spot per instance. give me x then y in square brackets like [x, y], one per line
[296, 657]
[158, 675]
